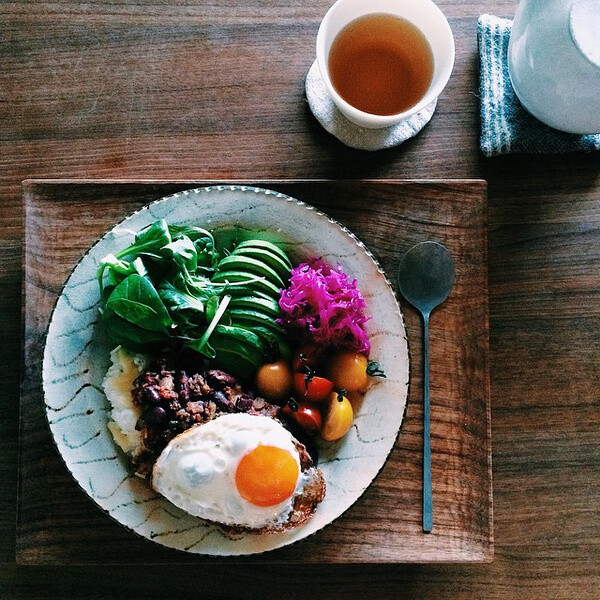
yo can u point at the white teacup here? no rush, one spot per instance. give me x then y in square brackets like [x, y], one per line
[424, 14]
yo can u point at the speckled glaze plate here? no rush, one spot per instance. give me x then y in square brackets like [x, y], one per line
[76, 358]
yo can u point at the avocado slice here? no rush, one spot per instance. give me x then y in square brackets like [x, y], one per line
[265, 305]
[249, 338]
[269, 338]
[243, 292]
[238, 262]
[238, 350]
[273, 261]
[265, 245]
[259, 284]
[260, 319]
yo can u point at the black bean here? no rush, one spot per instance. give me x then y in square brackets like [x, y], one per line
[219, 379]
[155, 415]
[152, 396]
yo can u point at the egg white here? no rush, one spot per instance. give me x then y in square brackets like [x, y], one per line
[196, 470]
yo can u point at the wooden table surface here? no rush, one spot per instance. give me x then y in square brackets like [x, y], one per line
[198, 90]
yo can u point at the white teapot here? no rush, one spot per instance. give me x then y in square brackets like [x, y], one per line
[554, 62]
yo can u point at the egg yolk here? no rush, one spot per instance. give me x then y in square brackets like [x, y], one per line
[266, 475]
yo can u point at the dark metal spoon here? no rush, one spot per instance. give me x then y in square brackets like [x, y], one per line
[425, 278]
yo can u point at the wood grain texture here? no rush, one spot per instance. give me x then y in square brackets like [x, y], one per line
[58, 524]
[73, 103]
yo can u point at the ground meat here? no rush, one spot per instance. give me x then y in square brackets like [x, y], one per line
[306, 460]
[198, 387]
[172, 402]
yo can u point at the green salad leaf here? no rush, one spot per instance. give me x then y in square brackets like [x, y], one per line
[149, 241]
[185, 309]
[170, 289]
[183, 253]
[202, 345]
[136, 301]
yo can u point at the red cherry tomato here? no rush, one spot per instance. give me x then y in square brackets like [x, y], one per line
[308, 416]
[306, 356]
[311, 388]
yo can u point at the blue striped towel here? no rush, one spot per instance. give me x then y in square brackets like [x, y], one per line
[505, 125]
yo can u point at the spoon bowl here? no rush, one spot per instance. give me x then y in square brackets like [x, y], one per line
[426, 275]
[425, 279]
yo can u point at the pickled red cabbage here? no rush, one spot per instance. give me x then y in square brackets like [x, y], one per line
[324, 307]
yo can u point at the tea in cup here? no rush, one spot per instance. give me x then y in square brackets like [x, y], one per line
[384, 60]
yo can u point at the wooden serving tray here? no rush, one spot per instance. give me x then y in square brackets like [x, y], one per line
[59, 524]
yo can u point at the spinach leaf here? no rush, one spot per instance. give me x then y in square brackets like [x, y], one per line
[186, 310]
[195, 285]
[130, 336]
[149, 240]
[136, 301]
[182, 252]
[204, 242]
[117, 270]
[116, 264]
[194, 233]
[115, 278]
[136, 312]
[211, 307]
[202, 345]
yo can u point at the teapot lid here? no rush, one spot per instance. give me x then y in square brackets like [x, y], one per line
[584, 22]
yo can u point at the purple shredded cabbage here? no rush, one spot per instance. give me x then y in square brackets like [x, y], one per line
[322, 306]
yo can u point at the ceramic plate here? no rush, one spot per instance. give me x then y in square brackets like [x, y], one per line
[76, 358]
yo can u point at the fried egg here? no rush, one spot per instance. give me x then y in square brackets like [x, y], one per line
[237, 469]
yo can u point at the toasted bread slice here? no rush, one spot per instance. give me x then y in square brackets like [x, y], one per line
[306, 504]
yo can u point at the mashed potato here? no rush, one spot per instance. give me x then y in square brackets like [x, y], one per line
[117, 385]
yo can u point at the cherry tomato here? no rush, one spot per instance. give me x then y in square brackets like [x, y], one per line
[274, 380]
[308, 416]
[306, 356]
[338, 418]
[311, 388]
[348, 371]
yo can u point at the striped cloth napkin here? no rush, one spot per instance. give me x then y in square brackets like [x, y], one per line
[506, 126]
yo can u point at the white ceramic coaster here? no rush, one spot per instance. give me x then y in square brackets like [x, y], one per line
[326, 112]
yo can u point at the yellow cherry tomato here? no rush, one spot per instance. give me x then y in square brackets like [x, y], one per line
[274, 380]
[348, 371]
[338, 418]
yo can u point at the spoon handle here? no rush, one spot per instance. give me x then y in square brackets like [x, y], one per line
[427, 496]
